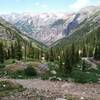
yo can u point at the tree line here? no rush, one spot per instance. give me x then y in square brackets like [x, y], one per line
[68, 56]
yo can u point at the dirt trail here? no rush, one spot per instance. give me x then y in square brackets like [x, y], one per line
[62, 88]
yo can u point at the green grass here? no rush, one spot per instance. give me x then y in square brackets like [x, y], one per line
[19, 74]
[10, 61]
[84, 77]
[27, 73]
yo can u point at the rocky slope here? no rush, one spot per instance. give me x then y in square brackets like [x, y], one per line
[50, 27]
[37, 26]
[8, 32]
[87, 21]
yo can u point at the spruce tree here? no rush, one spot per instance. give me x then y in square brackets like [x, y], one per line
[84, 66]
[77, 56]
[12, 51]
[67, 62]
[61, 67]
[18, 48]
[41, 52]
[72, 54]
[8, 53]
[68, 65]
[90, 52]
[1, 53]
[36, 54]
[71, 59]
[32, 53]
[47, 55]
[25, 51]
[51, 56]
[84, 53]
[5, 54]
[97, 52]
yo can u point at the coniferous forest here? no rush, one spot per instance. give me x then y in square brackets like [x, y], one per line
[66, 57]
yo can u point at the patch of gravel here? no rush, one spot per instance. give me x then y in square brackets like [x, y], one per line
[32, 94]
[53, 90]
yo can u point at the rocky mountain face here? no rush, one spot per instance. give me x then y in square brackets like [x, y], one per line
[88, 23]
[7, 31]
[49, 27]
[39, 26]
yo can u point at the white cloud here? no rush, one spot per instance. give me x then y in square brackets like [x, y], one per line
[78, 4]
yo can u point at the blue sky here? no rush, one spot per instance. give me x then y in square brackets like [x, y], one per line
[40, 6]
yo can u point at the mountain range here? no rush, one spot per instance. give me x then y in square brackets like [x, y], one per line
[51, 28]
[8, 33]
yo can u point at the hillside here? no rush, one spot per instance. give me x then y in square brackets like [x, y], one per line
[50, 27]
[8, 32]
[85, 30]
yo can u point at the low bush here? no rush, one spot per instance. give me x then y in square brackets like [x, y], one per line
[30, 71]
[84, 77]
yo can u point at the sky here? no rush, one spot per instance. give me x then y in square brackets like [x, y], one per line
[41, 6]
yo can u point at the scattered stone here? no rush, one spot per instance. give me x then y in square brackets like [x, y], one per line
[55, 90]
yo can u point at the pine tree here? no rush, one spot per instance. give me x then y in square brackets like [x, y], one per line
[71, 59]
[97, 52]
[67, 62]
[8, 53]
[47, 56]
[84, 66]
[77, 56]
[12, 51]
[41, 52]
[18, 48]
[61, 67]
[68, 65]
[32, 52]
[36, 54]
[5, 54]
[25, 51]
[90, 52]
[84, 53]
[72, 54]
[51, 56]
[1, 53]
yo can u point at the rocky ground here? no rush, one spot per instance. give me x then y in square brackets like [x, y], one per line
[54, 90]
